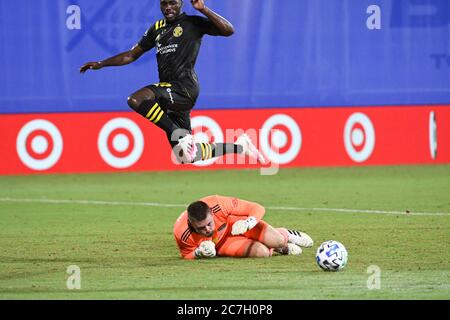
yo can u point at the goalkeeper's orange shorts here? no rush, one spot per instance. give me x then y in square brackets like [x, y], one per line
[239, 246]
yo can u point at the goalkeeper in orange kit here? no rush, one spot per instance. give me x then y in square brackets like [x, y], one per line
[231, 227]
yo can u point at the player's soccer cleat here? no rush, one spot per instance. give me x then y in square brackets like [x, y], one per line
[291, 249]
[188, 147]
[249, 148]
[300, 239]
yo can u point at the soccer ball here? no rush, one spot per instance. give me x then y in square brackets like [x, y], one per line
[331, 256]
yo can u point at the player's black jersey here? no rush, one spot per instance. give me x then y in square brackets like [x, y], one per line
[177, 45]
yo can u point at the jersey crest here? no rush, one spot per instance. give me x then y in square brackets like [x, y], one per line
[178, 31]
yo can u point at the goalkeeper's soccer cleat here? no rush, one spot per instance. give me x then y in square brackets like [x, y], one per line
[291, 249]
[300, 238]
[249, 149]
[188, 147]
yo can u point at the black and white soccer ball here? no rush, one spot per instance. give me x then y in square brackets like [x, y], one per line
[331, 256]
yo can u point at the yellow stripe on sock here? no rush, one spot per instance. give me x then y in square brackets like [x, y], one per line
[159, 117]
[151, 110]
[209, 150]
[203, 150]
[155, 113]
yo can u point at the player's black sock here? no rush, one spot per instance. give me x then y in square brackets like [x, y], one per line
[154, 113]
[207, 151]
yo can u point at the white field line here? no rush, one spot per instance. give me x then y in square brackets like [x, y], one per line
[168, 205]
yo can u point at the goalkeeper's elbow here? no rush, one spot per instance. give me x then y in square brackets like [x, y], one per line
[189, 256]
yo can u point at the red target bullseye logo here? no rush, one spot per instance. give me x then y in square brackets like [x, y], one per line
[281, 139]
[206, 130]
[359, 137]
[39, 144]
[120, 143]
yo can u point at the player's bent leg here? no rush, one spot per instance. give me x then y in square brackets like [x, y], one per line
[183, 146]
[144, 102]
[290, 249]
[259, 250]
[249, 149]
[268, 235]
[295, 241]
[136, 99]
[242, 247]
[276, 239]
[206, 151]
[243, 145]
[298, 238]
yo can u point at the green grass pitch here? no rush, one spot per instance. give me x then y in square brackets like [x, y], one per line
[113, 227]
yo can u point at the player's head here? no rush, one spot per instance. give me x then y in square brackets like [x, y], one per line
[201, 219]
[171, 9]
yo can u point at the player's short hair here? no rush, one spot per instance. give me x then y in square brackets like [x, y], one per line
[198, 211]
[180, 1]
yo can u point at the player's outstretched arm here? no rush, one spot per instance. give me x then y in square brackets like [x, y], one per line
[121, 59]
[224, 27]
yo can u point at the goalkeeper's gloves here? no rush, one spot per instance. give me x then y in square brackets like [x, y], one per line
[242, 226]
[206, 249]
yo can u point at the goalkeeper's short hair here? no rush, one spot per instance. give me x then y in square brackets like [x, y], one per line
[198, 211]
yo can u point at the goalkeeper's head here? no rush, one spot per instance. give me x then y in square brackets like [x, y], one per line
[201, 219]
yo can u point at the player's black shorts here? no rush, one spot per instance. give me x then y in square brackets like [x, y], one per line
[176, 102]
[172, 96]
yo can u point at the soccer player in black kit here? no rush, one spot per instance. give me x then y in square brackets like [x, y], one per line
[168, 104]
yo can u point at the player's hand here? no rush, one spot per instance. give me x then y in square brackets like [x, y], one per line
[206, 249]
[198, 4]
[91, 66]
[242, 226]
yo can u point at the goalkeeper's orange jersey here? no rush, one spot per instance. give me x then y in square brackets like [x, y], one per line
[225, 211]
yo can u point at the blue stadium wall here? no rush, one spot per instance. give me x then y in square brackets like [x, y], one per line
[284, 54]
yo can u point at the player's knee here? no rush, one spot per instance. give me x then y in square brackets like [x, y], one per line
[133, 103]
[260, 251]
